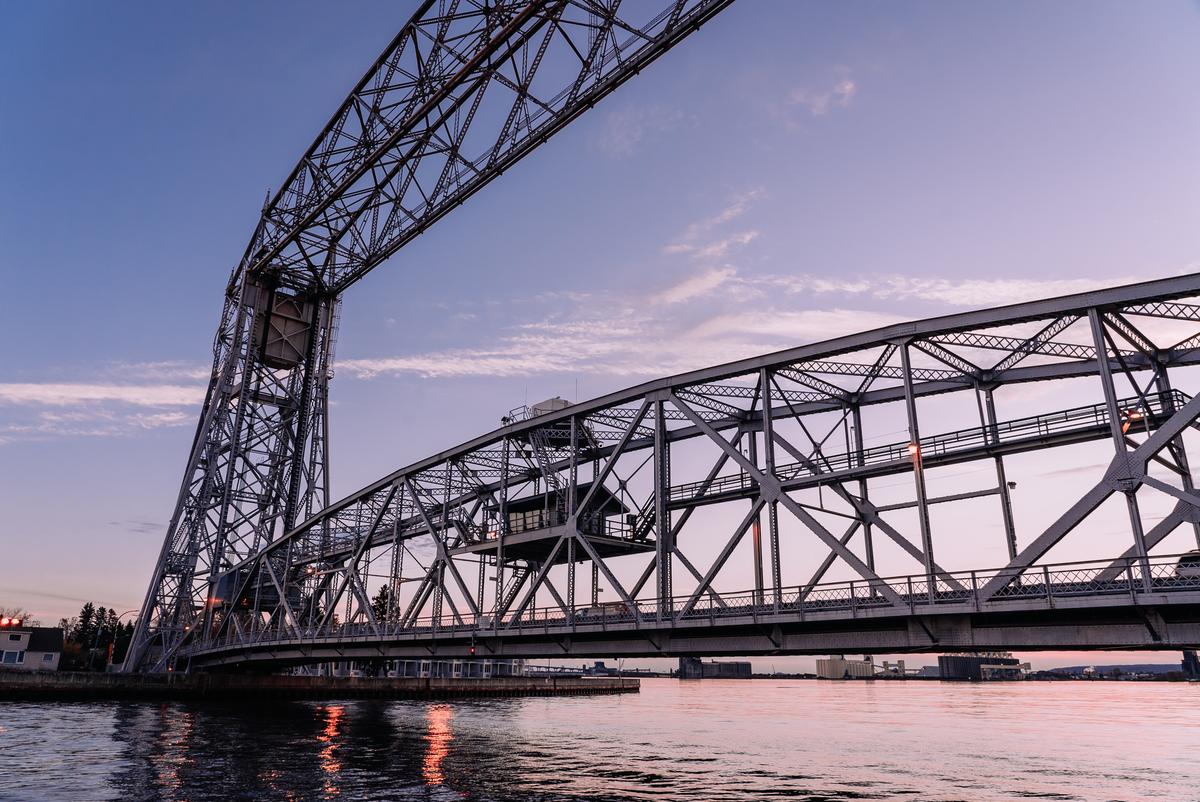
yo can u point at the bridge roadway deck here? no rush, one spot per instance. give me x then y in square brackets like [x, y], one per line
[1058, 607]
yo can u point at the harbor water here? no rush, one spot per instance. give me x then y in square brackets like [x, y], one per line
[676, 740]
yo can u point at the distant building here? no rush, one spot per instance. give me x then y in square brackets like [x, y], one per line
[898, 669]
[982, 666]
[31, 649]
[694, 668]
[838, 667]
[1191, 664]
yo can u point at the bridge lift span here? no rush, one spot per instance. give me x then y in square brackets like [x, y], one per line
[745, 508]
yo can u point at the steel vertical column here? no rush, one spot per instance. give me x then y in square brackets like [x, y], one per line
[438, 592]
[662, 488]
[863, 489]
[1010, 529]
[572, 493]
[571, 579]
[480, 594]
[756, 530]
[1119, 445]
[764, 378]
[396, 571]
[502, 525]
[914, 447]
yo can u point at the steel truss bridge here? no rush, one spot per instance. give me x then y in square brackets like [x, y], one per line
[821, 499]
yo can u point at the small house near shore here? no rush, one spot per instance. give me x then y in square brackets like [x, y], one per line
[30, 648]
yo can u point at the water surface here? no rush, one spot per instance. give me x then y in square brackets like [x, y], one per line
[698, 740]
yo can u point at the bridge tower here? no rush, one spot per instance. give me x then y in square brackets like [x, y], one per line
[463, 92]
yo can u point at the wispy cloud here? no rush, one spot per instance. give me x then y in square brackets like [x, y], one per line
[818, 101]
[793, 327]
[140, 527]
[696, 286]
[91, 422]
[34, 411]
[946, 291]
[169, 370]
[680, 328]
[676, 329]
[737, 205]
[624, 129]
[633, 348]
[690, 241]
[61, 395]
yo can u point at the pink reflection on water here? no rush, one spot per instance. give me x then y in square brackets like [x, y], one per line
[178, 726]
[330, 764]
[438, 738]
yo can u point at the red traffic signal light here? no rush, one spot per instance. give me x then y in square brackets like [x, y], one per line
[5, 621]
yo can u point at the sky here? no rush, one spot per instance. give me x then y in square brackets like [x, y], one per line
[791, 172]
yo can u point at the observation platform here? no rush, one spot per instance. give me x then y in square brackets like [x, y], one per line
[537, 522]
[539, 544]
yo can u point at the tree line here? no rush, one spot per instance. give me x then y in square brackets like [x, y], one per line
[94, 636]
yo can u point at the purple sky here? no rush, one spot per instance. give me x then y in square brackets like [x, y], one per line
[791, 172]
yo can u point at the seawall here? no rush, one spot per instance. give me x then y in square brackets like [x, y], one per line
[90, 686]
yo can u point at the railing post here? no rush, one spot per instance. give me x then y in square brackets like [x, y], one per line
[853, 601]
[975, 590]
[1046, 582]
[911, 605]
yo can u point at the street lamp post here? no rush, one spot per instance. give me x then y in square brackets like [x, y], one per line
[112, 643]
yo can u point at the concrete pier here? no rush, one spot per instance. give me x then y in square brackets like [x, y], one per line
[62, 686]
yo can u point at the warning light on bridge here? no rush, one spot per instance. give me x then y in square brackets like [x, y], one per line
[914, 449]
[10, 622]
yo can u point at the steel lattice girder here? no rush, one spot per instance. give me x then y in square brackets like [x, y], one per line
[463, 92]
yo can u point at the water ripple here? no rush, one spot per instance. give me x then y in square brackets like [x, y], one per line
[708, 740]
